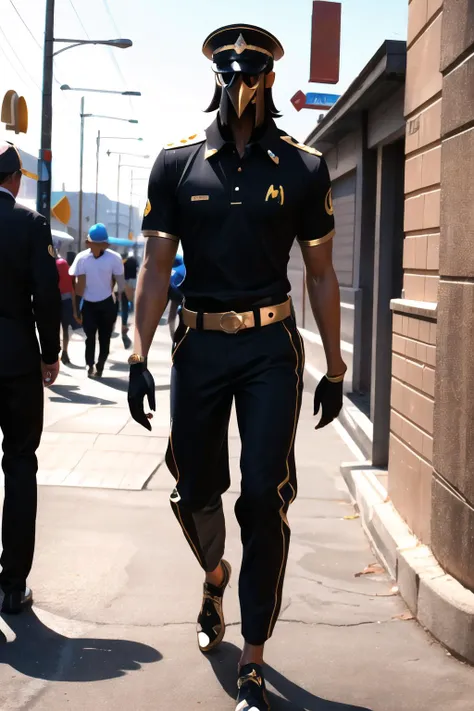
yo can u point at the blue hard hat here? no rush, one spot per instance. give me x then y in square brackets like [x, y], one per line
[98, 233]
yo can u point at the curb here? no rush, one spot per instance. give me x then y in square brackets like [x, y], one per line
[439, 602]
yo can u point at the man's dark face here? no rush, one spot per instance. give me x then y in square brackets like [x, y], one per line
[243, 92]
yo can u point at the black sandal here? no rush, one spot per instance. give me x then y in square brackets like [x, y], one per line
[252, 694]
[210, 624]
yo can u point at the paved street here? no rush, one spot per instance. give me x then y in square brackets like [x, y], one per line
[117, 589]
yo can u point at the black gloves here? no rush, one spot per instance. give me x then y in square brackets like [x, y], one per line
[141, 383]
[328, 396]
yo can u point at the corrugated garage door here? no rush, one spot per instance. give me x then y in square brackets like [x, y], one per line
[343, 196]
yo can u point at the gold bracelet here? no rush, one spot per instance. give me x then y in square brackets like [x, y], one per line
[335, 378]
[135, 358]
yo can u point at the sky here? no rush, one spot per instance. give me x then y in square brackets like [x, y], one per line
[167, 66]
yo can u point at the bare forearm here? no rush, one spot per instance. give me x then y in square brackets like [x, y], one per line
[150, 303]
[325, 302]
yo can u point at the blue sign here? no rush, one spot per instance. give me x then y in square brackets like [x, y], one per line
[321, 100]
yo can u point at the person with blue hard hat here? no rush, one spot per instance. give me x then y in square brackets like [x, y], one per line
[96, 269]
[175, 295]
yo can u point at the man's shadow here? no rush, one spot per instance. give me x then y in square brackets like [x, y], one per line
[224, 663]
[73, 394]
[41, 653]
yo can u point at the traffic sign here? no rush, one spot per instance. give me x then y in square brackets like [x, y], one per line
[321, 101]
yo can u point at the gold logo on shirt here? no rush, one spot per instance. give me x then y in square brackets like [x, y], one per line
[328, 203]
[147, 208]
[276, 194]
[199, 198]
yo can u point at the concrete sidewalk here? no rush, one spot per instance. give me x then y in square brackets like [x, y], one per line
[118, 591]
[90, 440]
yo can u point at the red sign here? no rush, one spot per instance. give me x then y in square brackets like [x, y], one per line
[325, 42]
[299, 100]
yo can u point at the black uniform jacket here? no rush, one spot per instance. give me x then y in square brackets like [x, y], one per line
[29, 291]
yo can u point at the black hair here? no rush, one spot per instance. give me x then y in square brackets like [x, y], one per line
[270, 108]
[6, 176]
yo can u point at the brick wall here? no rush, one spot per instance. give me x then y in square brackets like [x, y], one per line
[411, 424]
[414, 334]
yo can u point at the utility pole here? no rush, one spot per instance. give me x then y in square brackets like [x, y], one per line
[96, 209]
[81, 176]
[43, 195]
[117, 216]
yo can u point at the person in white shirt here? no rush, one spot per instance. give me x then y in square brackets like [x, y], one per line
[96, 270]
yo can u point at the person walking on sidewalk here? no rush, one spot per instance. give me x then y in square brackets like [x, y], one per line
[130, 266]
[95, 270]
[236, 198]
[69, 315]
[30, 302]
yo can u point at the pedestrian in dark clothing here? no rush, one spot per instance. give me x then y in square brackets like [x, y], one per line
[29, 279]
[236, 198]
[130, 266]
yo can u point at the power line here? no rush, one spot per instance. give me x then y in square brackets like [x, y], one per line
[33, 37]
[79, 18]
[111, 51]
[23, 21]
[19, 60]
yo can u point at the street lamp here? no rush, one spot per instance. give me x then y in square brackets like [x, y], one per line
[81, 164]
[43, 197]
[98, 140]
[120, 166]
[118, 43]
[66, 87]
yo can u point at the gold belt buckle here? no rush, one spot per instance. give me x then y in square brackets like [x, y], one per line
[231, 322]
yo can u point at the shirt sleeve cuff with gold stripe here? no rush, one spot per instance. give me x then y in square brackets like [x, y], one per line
[316, 242]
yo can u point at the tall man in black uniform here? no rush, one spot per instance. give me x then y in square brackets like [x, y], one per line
[30, 297]
[237, 198]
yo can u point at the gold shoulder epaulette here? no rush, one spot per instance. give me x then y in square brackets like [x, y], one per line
[190, 141]
[301, 146]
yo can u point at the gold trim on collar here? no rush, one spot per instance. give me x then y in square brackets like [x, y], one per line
[160, 235]
[210, 152]
[317, 242]
[291, 141]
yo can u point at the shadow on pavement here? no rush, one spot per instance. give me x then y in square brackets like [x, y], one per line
[73, 393]
[121, 384]
[224, 663]
[41, 653]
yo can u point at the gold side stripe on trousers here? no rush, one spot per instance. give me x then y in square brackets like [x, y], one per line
[190, 540]
[160, 235]
[317, 242]
[284, 520]
[178, 345]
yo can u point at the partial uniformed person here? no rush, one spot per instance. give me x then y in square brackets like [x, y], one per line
[30, 301]
[237, 197]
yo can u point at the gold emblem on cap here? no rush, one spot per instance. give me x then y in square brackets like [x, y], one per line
[241, 45]
[147, 208]
[328, 203]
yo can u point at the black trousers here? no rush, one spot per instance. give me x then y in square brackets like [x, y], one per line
[261, 370]
[98, 317]
[21, 421]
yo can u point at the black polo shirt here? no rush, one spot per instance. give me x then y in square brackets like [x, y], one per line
[237, 218]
